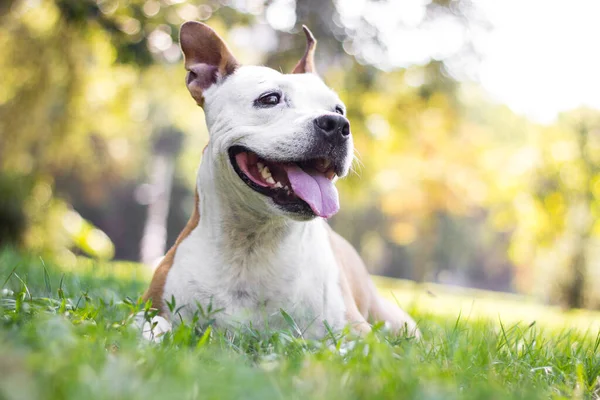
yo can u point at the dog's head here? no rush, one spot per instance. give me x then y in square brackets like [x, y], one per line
[278, 140]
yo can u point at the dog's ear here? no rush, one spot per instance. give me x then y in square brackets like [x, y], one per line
[307, 62]
[207, 58]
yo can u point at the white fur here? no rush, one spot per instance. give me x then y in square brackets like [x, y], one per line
[247, 256]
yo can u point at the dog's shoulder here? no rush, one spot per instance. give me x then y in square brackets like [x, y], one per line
[157, 285]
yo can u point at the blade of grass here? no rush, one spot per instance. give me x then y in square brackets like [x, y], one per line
[290, 321]
[46, 278]
[9, 276]
[331, 334]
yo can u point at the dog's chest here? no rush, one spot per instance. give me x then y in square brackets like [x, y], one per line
[300, 278]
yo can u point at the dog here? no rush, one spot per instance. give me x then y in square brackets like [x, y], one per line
[257, 241]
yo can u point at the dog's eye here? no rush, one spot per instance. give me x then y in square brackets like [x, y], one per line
[269, 99]
[339, 110]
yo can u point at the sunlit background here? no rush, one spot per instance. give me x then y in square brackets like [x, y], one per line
[476, 123]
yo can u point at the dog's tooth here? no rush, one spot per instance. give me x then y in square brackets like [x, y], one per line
[266, 173]
[270, 180]
[260, 166]
[278, 185]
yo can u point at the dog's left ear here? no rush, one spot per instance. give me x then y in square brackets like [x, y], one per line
[307, 62]
[208, 60]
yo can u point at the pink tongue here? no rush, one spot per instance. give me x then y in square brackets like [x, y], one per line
[315, 189]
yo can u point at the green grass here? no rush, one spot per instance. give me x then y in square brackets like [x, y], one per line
[67, 334]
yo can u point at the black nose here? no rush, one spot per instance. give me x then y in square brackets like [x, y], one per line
[334, 127]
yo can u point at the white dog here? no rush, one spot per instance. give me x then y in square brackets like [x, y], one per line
[257, 242]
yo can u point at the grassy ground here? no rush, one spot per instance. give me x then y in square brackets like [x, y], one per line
[66, 334]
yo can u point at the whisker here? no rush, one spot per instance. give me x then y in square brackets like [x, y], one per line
[356, 165]
[357, 157]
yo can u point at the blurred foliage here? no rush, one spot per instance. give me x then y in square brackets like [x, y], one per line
[449, 186]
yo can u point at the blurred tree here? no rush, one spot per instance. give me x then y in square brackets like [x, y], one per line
[565, 204]
[13, 220]
[157, 194]
[82, 90]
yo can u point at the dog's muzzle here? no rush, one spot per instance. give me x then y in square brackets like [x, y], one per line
[304, 185]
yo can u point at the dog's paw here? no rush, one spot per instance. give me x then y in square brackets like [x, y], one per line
[407, 328]
[153, 330]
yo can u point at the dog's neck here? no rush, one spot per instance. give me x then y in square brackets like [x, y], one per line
[232, 225]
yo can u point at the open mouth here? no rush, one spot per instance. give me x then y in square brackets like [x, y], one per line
[302, 187]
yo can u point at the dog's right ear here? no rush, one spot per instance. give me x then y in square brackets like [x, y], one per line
[207, 58]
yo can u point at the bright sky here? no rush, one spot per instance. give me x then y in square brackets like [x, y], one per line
[543, 57]
[539, 58]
